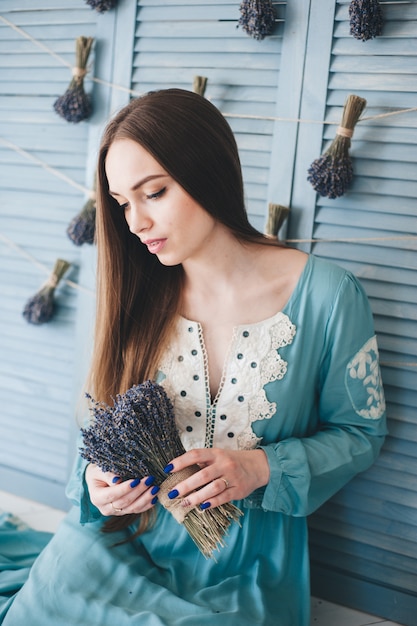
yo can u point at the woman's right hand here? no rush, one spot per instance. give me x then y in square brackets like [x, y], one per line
[113, 497]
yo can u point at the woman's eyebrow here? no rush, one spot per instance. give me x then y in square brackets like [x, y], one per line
[140, 182]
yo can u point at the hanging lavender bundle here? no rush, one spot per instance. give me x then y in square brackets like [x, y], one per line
[277, 214]
[199, 85]
[101, 5]
[82, 227]
[365, 19]
[332, 173]
[41, 307]
[138, 437]
[75, 105]
[257, 18]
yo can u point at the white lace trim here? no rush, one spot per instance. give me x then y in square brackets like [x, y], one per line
[253, 361]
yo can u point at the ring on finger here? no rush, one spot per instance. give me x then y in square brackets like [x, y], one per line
[115, 508]
[226, 482]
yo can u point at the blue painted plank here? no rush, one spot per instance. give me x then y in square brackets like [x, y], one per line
[210, 45]
[369, 82]
[213, 61]
[196, 29]
[370, 203]
[404, 225]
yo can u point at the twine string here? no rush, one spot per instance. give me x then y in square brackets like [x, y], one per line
[344, 132]
[43, 164]
[52, 282]
[134, 92]
[78, 72]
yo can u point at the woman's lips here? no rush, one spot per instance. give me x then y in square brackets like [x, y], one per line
[155, 245]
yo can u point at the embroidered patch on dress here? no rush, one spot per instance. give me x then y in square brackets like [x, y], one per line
[363, 382]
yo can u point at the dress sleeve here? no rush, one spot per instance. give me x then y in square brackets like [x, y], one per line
[307, 471]
[77, 491]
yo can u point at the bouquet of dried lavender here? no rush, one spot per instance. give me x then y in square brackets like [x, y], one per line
[257, 18]
[332, 173]
[75, 105]
[41, 307]
[82, 227]
[101, 5]
[138, 437]
[365, 19]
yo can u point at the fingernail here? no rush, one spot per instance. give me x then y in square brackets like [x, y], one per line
[173, 494]
[135, 482]
[116, 479]
[168, 468]
[154, 500]
[149, 481]
[154, 490]
[204, 505]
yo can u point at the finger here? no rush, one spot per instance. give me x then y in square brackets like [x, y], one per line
[192, 483]
[102, 495]
[217, 490]
[140, 494]
[197, 456]
[144, 502]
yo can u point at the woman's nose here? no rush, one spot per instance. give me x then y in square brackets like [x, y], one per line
[137, 220]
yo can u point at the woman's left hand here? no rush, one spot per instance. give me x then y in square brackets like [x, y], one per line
[224, 475]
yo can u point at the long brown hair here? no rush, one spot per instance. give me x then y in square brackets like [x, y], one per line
[137, 297]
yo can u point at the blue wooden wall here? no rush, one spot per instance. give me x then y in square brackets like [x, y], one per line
[363, 542]
[38, 364]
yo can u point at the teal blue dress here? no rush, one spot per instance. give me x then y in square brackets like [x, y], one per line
[305, 386]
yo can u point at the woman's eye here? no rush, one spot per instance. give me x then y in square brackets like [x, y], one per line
[157, 194]
[124, 206]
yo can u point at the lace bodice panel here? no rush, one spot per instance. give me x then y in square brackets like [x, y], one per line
[253, 360]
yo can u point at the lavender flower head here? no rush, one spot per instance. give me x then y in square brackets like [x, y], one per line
[41, 307]
[257, 18]
[365, 19]
[74, 105]
[330, 175]
[101, 5]
[82, 227]
[137, 436]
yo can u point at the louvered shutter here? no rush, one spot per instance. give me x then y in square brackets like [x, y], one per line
[364, 541]
[38, 363]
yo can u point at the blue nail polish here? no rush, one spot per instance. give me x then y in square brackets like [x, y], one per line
[168, 468]
[116, 479]
[173, 494]
[149, 481]
[135, 482]
[204, 505]
[154, 490]
[154, 500]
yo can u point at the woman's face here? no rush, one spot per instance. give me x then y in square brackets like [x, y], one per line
[167, 220]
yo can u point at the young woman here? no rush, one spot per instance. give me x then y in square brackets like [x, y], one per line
[270, 359]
